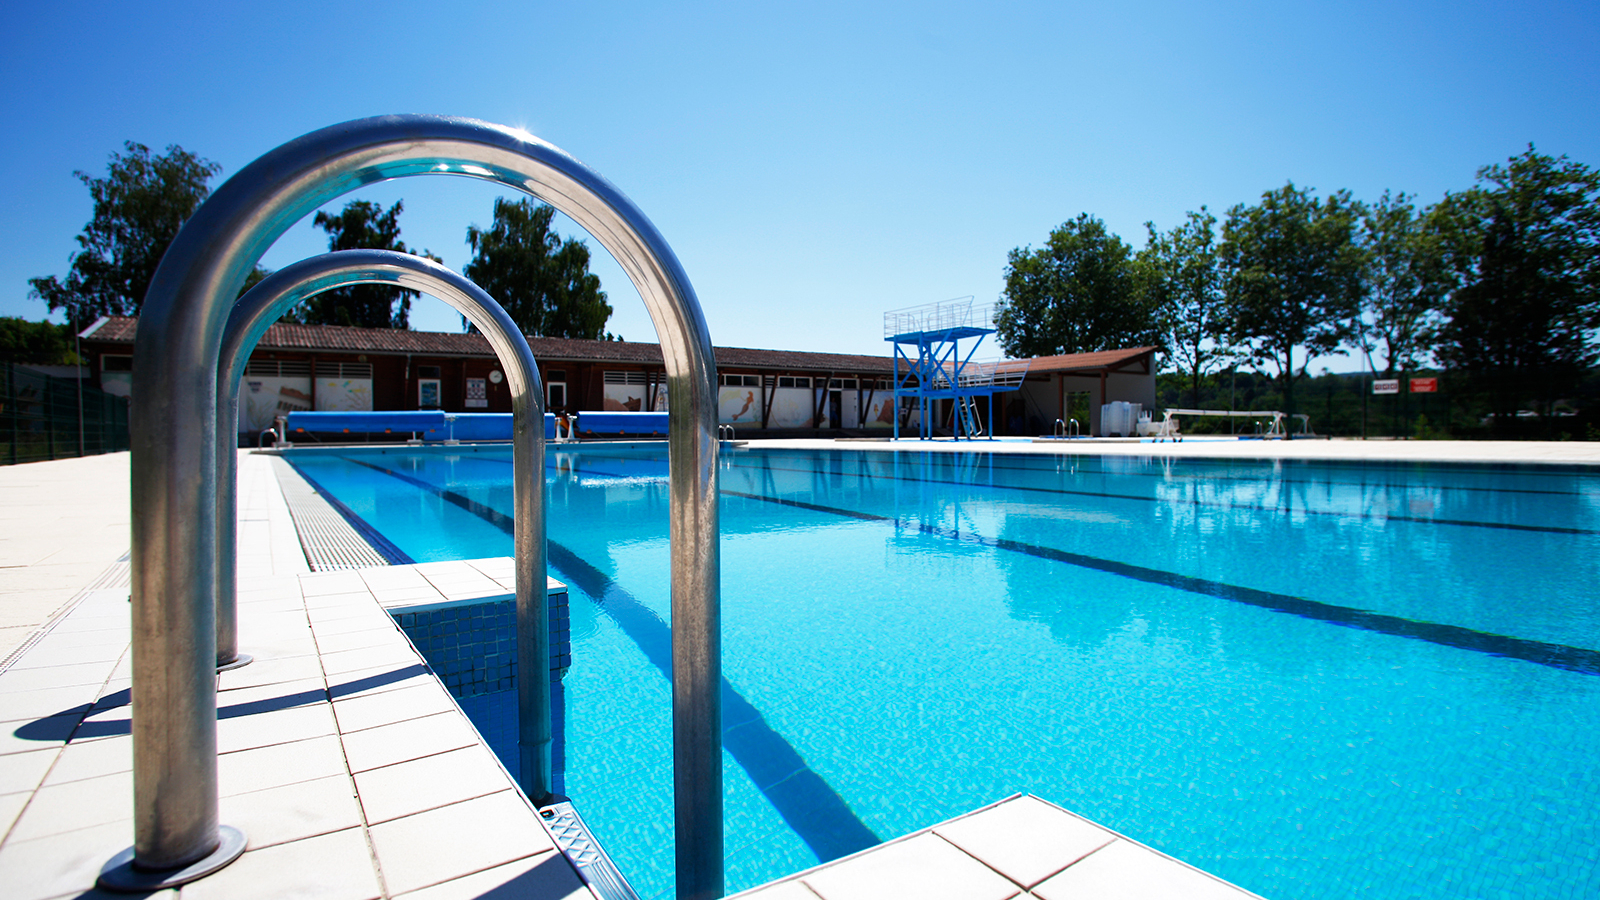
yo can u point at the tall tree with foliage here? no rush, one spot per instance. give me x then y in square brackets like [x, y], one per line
[1525, 244]
[138, 208]
[41, 343]
[1406, 282]
[543, 281]
[1077, 294]
[1182, 273]
[361, 225]
[1293, 275]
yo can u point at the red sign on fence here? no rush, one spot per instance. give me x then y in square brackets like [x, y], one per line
[1424, 385]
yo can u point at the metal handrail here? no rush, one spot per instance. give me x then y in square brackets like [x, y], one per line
[725, 433]
[291, 285]
[175, 482]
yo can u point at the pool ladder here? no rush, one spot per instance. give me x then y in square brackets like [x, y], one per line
[1062, 428]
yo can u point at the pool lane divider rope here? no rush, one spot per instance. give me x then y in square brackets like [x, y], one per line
[811, 807]
[1559, 656]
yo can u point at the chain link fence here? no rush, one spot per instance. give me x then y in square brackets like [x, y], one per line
[44, 417]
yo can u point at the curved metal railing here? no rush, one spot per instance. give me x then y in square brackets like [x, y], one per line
[175, 484]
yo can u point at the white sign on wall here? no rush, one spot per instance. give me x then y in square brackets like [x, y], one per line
[1386, 386]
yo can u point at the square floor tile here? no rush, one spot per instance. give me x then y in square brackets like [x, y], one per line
[545, 877]
[432, 781]
[26, 771]
[452, 841]
[382, 679]
[926, 867]
[60, 864]
[278, 727]
[76, 805]
[280, 764]
[397, 653]
[388, 707]
[1026, 839]
[293, 811]
[411, 739]
[335, 866]
[1124, 870]
[80, 760]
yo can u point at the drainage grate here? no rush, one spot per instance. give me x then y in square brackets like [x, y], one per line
[594, 865]
[329, 542]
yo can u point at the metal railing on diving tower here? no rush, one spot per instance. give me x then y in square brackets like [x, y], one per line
[178, 489]
[929, 364]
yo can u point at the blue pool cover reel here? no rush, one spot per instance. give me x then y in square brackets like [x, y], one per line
[432, 424]
[437, 425]
[596, 422]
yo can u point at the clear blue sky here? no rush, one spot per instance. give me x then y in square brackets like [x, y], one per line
[812, 165]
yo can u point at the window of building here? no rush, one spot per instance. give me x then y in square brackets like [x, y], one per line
[794, 381]
[111, 363]
[625, 378]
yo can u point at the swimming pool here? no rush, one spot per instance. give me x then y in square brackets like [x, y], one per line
[1314, 680]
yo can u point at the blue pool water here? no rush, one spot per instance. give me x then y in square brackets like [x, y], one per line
[1313, 680]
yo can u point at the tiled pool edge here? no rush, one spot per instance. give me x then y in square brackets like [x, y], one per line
[1019, 847]
[325, 761]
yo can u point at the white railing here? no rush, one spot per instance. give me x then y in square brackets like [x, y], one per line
[946, 315]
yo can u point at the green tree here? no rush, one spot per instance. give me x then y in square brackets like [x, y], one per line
[1525, 245]
[1406, 283]
[138, 209]
[43, 343]
[1293, 275]
[1077, 294]
[361, 225]
[1183, 275]
[543, 281]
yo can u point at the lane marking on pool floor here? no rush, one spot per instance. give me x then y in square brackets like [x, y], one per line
[1211, 504]
[1559, 656]
[810, 806]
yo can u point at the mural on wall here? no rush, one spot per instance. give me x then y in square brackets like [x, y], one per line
[631, 398]
[262, 399]
[344, 394]
[880, 412]
[797, 408]
[739, 406]
[624, 398]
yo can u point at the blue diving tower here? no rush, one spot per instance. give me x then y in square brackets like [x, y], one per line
[931, 364]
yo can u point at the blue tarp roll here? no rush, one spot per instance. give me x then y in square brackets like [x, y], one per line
[622, 423]
[366, 422]
[433, 425]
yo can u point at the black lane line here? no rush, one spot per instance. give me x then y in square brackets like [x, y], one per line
[1253, 507]
[809, 804]
[1203, 477]
[1559, 656]
[385, 548]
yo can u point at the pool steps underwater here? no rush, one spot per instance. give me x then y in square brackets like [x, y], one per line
[354, 772]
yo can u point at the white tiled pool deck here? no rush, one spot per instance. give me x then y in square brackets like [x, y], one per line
[349, 766]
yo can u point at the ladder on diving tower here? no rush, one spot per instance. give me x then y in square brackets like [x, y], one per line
[971, 424]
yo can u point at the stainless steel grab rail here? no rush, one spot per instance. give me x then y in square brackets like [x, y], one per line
[280, 292]
[175, 479]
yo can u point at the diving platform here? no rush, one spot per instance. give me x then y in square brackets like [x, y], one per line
[930, 364]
